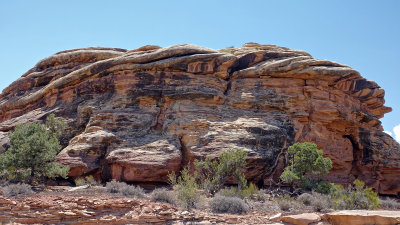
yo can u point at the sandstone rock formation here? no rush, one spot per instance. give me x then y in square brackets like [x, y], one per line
[135, 115]
[301, 219]
[362, 217]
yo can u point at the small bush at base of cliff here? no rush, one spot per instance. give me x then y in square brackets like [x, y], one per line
[16, 189]
[305, 198]
[186, 188]
[357, 197]
[389, 204]
[89, 180]
[286, 203]
[124, 189]
[318, 202]
[163, 195]
[249, 192]
[223, 204]
[212, 174]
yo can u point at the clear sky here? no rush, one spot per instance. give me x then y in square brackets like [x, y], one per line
[362, 34]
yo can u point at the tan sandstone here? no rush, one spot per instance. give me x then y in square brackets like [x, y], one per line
[136, 115]
[363, 217]
[301, 219]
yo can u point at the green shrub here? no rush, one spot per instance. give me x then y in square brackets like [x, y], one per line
[88, 180]
[187, 189]
[16, 189]
[223, 204]
[285, 197]
[80, 181]
[323, 187]
[228, 50]
[212, 174]
[172, 179]
[228, 192]
[306, 159]
[12, 175]
[124, 189]
[56, 127]
[250, 191]
[390, 204]
[163, 195]
[357, 197]
[33, 149]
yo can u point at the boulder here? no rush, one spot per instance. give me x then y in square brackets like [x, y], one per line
[363, 217]
[301, 219]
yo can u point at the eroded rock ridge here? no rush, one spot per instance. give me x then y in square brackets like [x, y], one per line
[136, 115]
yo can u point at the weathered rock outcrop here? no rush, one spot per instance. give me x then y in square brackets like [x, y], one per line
[135, 115]
[363, 217]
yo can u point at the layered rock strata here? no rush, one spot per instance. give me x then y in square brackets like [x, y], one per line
[136, 115]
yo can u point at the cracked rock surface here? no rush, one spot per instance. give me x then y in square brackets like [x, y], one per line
[136, 115]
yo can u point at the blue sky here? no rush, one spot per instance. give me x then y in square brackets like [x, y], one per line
[362, 34]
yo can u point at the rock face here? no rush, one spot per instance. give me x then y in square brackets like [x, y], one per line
[136, 115]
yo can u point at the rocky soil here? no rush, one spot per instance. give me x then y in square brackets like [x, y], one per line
[57, 205]
[136, 115]
[61, 205]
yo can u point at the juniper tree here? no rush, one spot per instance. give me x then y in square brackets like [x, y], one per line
[306, 161]
[33, 149]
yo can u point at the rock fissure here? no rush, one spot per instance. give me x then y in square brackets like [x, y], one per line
[228, 87]
[185, 154]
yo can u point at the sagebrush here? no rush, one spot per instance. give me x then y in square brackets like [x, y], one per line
[164, 195]
[390, 204]
[318, 202]
[16, 189]
[305, 198]
[124, 189]
[223, 204]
